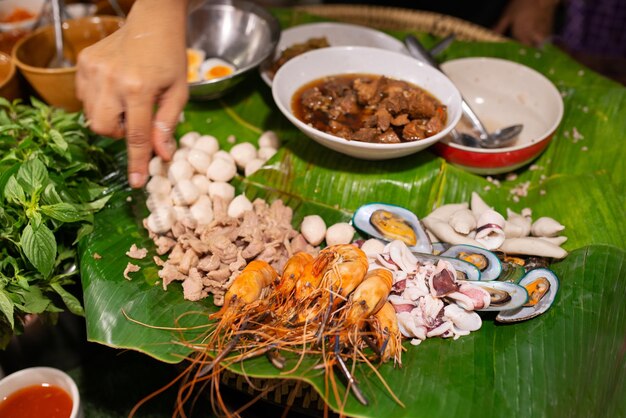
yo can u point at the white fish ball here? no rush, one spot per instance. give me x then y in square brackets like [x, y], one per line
[199, 160]
[224, 190]
[158, 167]
[201, 182]
[269, 139]
[158, 185]
[339, 233]
[252, 166]
[184, 193]
[243, 153]
[265, 153]
[208, 144]
[221, 170]
[180, 154]
[161, 219]
[155, 201]
[183, 215]
[189, 139]
[179, 170]
[238, 206]
[202, 210]
[224, 155]
[313, 229]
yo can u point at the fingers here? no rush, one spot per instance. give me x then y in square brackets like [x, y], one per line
[166, 118]
[138, 144]
[503, 24]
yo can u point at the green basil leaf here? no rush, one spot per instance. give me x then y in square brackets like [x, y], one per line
[32, 175]
[96, 205]
[33, 300]
[14, 192]
[40, 247]
[7, 307]
[65, 212]
[70, 300]
[50, 196]
[34, 217]
[58, 139]
[83, 231]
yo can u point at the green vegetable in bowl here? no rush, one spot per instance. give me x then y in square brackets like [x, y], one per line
[51, 184]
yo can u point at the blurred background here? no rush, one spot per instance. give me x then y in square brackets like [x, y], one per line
[591, 32]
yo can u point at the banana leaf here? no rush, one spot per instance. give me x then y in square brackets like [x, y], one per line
[567, 362]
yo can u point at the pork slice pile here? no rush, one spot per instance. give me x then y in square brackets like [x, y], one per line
[209, 257]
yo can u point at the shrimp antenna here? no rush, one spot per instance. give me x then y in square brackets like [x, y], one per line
[371, 344]
[229, 347]
[352, 384]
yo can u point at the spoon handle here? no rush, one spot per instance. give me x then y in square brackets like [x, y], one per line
[58, 30]
[416, 49]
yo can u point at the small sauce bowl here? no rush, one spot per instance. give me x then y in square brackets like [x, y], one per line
[41, 376]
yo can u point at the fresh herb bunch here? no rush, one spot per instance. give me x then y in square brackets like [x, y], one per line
[51, 184]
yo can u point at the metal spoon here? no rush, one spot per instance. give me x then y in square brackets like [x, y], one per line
[59, 60]
[499, 139]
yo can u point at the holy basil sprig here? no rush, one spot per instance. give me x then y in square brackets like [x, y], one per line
[51, 173]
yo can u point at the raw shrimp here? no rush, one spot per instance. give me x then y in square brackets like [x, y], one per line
[293, 271]
[345, 266]
[384, 325]
[245, 290]
[368, 297]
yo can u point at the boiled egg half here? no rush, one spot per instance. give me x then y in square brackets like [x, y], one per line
[213, 68]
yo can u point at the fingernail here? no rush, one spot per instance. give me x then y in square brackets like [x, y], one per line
[136, 180]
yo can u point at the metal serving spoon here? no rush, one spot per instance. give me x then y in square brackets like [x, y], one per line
[59, 60]
[498, 139]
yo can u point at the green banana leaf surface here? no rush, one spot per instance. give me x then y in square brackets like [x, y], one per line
[567, 362]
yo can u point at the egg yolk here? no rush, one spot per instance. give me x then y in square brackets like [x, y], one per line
[217, 72]
[194, 58]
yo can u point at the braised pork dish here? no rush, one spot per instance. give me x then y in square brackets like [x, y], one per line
[369, 108]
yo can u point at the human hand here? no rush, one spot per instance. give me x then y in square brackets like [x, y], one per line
[133, 83]
[529, 21]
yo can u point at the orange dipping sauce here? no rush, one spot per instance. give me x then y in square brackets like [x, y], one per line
[37, 401]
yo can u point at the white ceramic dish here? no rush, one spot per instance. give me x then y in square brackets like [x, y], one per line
[503, 93]
[337, 34]
[41, 376]
[319, 63]
[8, 6]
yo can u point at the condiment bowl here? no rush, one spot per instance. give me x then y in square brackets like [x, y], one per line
[337, 34]
[9, 84]
[33, 53]
[319, 63]
[42, 376]
[236, 31]
[503, 93]
[29, 11]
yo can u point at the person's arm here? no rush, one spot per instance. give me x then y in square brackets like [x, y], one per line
[133, 83]
[529, 21]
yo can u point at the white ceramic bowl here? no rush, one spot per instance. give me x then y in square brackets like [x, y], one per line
[337, 34]
[503, 93]
[39, 376]
[8, 6]
[319, 63]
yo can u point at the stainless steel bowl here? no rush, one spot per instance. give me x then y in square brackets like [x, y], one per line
[236, 31]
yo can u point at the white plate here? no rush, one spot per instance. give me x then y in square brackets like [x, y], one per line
[337, 34]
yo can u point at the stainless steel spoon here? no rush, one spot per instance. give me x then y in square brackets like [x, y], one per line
[498, 139]
[59, 60]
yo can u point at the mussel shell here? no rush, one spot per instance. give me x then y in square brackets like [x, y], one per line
[465, 271]
[492, 267]
[362, 216]
[527, 312]
[505, 296]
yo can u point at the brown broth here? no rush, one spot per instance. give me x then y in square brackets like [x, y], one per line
[37, 401]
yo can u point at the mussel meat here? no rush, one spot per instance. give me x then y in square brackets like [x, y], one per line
[486, 261]
[542, 285]
[393, 227]
[389, 222]
[504, 296]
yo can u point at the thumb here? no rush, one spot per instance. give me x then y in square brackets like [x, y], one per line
[166, 118]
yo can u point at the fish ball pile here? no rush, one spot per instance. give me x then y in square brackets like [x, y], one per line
[208, 232]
